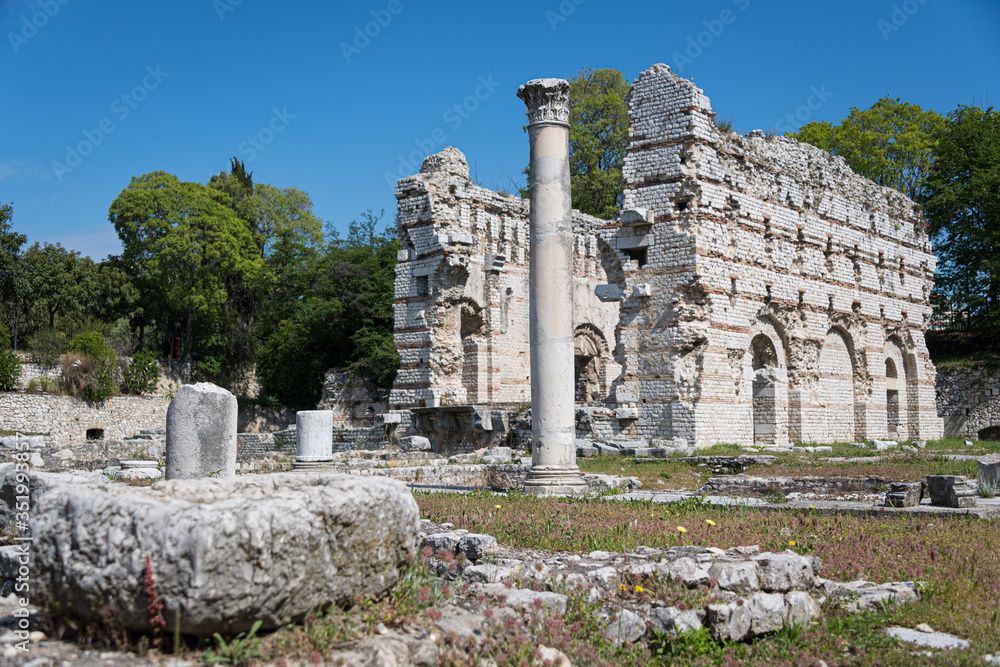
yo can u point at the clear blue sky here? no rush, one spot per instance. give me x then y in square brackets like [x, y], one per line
[199, 78]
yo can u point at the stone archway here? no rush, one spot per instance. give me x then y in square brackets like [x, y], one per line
[764, 363]
[897, 394]
[836, 386]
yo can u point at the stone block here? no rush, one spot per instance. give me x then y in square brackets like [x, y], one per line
[637, 216]
[132, 470]
[608, 293]
[390, 418]
[201, 433]
[882, 445]
[223, 552]
[951, 491]
[673, 621]
[728, 622]
[627, 627]
[414, 443]
[989, 471]
[626, 413]
[919, 444]
[642, 290]
[904, 494]
[314, 435]
[498, 455]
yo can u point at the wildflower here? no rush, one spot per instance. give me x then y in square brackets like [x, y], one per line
[638, 589]
[681, 529]
[791, 543]
[811, 507]
[498, 507]
[622, 587]
[709, 522]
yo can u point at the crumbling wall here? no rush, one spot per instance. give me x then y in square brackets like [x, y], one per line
[461, 293]
[969, 401]
[748, 232]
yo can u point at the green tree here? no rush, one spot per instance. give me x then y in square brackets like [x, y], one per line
[184, 245]
[60, 280]
[335, 310]
[598, 136]
[91, 374]
[13, 283]
[962, 206]
[892, 143]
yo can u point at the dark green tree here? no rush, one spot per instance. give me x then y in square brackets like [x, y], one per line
[13, 282]
[333, 311]
[962, 206]
[184, 245]
[598, 136]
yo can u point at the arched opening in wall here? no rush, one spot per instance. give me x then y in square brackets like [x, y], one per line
[764, 363]
[589, 349]
[836, 387]
[891, 399]
[95, 434]
[472, 331]
[990, 433]
[898, 394]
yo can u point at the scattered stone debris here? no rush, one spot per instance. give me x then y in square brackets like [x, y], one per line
[924, 635]
[951, 490]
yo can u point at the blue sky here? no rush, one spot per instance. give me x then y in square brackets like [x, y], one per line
[307, 99]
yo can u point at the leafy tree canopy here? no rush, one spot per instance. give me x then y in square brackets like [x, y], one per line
[892, 143]
[962, 205]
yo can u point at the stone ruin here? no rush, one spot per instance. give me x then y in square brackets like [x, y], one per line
[753, 290]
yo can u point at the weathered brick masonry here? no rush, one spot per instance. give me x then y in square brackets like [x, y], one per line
[753, 289]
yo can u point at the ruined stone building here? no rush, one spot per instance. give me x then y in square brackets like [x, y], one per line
[752, 290]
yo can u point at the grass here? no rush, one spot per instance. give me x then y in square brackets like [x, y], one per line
[904, 468]
[958, 558]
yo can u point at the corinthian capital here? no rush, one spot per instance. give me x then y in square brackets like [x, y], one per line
[547, 100]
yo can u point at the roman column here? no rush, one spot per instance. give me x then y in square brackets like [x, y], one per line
[550, 279]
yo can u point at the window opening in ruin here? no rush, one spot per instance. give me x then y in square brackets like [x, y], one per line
[990, 433]
[637, 255]
[95, 434]
[422, 286]
[767, 295]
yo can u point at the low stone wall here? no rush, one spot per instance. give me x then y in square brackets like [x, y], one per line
[968, 399]
[67, 419]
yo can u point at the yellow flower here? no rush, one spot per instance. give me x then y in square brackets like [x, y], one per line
[811, 507]
[709, 522]
[791, 543]
[498, 507]
[622, 587]
[638, 589]
[681, 529]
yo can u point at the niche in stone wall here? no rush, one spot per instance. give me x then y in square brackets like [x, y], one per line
[764, 363]
[836, 387]
[474, 361]
[589, 352]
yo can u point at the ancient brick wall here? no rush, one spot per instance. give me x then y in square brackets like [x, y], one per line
[780, 284]
[753, 290]
[66, 419]
[461, 294]
[969, 401]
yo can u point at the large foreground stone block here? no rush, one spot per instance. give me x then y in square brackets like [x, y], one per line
[224, 552]
[201, 432]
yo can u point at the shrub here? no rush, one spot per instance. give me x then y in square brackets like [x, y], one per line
[88, 368]
[10, 370]
[46, 347]
[141, 375]
[5, 338]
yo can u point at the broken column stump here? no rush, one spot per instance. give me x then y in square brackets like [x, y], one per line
[904, 494]
[951, 491]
